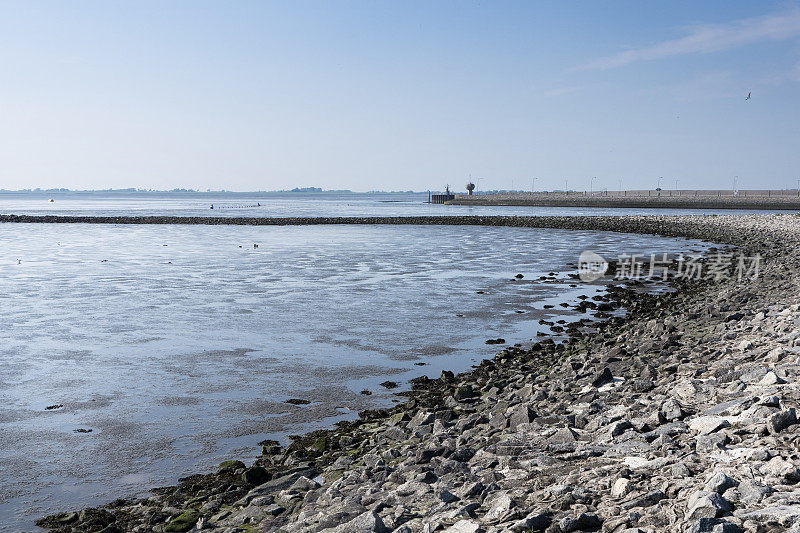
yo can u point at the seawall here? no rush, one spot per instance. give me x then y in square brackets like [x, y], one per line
[664, 201]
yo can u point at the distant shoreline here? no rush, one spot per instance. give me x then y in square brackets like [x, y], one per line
[312, 191]
[747, 200]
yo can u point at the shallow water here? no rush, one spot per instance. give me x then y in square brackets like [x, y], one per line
[290, 205]
[177, 345]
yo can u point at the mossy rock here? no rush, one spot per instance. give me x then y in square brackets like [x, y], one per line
[67, 518]
[333, 475]
[399, 417]
[230, 465]
[58, 520]
[87, 520]
[270, 447]
[256, 475]
[320, 445]
[463, 392]
[184, 521]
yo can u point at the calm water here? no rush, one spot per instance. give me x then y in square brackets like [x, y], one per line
[177, 345]
[286, 205]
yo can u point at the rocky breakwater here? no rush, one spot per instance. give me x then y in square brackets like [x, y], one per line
[681, 417]
[687, 200]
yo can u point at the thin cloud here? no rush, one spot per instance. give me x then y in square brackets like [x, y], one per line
[563, 91]
[709, 38]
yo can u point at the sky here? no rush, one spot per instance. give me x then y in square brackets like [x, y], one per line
[399, 95]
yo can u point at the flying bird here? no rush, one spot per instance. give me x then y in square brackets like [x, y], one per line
[748, 97]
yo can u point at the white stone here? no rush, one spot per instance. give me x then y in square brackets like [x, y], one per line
[464, 526]
[621, 487]
[708, 424]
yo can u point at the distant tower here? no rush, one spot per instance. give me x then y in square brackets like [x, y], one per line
[470, 188]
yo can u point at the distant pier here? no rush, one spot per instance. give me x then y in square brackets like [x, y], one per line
[442, 198]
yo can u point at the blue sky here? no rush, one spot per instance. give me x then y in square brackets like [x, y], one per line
[399, 95]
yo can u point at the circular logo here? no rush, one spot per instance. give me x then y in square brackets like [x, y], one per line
[591, 266]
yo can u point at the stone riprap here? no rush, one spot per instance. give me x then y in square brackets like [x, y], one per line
[666, 200]
[696, 226]
[681, 416]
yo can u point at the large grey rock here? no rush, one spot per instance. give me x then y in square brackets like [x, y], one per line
[782, 420]
[781, 468]
[373, 460]
[785, 515]
[645, 500]
[499, 505]
[672, 410]
[368, 522]
[446, 496]
[708, 424]
[470, 489]
[711, 443]
[304, 484]
[752, 491]
[713, 525]
[706, 504]
[617, 428]
[563, 436]
[770, 401]
[602, 377]
[720, 482]
[279, 483]
[535, 521]
[745, 345]
[770, 378]
[521, 414]
[465, 526]
[422, 418]
[580, 522]
[621, 487]
[680, 471]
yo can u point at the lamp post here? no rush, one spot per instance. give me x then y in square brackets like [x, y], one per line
[735, 180]
[591, 185]
[533, 185]
[658, 182]
[620, 186]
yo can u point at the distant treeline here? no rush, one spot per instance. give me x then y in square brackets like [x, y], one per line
[132, 190]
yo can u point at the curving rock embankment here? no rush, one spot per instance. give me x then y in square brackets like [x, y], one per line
[680, 226]
[680, 417]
